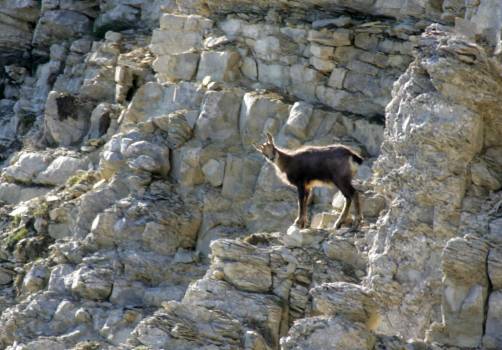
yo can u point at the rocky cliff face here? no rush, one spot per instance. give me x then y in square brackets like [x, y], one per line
[135, 213]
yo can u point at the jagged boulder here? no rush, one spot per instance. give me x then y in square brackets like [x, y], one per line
[465, 292]
[327, 333]
[347, 300]
[67, 118]
[243, 265]
[180, 326]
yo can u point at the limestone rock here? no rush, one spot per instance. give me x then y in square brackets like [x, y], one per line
[17, 21]
[27, 167]
[180, 326]
[495, 268]
[260, 114]
[243, 265]
[299, 120]
[324, 332]
[177, 67]
[55, 25]
[492, 338]
[66, 119]
[177, 125]
[342, 249]
[36, 278]
[252, 308]
[347, 300]
[116, 18]
[218, 119]
[220, 66]
[95, 284]
[214, 171]
[240, 177]
[465, 292]
[59, 170]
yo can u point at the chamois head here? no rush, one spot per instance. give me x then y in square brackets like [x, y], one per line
[268, 148]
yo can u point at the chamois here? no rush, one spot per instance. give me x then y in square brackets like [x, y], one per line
[311, 166]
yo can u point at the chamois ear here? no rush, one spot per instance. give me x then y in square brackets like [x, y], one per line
[270, 138]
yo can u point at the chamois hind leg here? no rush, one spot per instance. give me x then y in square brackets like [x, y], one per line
[302, 195]
[306, 202]
[348, 192]
[357, 203]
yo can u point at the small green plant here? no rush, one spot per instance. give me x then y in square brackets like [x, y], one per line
[16, 221]
[15, 236]
[42, 210]
[80, 177]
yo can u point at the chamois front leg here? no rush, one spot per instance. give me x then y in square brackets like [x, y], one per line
[359, 215]
[302, 196]
[348, 192]
[343, 216]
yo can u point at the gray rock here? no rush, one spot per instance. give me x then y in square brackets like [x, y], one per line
[117, 18]
[177, 67]
[95, 284]
[299, 120]
[27, 167]
[59, 170]
[240, 177]
[495, 268]
[492, 338]
[260, 114]
[56, 25]
[252, 308]
[220, 66]
[67, 119]
[243, 265]
[349, 301]
[327, 333]
[214, 171]
[182, 327]
[218, 119]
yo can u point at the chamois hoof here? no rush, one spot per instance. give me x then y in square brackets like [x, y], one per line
[356, 223]
[300, 223]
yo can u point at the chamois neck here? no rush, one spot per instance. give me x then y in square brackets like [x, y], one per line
[281, 159]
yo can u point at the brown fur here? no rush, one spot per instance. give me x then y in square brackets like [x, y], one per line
[308, 167]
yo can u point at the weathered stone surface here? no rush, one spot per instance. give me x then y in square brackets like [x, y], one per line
[260, 114]
[220, 66]
[242, 264]
[327, 333]
[67, 119]
[178, 126]
[95, 284]
[59, 170]
[179, 326]
[57, 25]
[214, 171]
[153, 99]
[495, 268]
[218, 119]
[252, 308]
[27, 167]
[16, 21]
[239, 171]
[465, 289]
[350, 301]
[492, 338]
[427, 105]
[177, 67]
[299, 120]
[120, 16]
